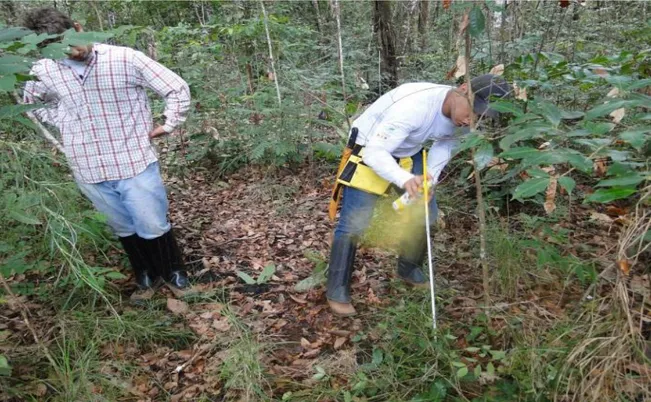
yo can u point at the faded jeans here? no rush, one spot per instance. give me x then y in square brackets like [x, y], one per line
[137, 205]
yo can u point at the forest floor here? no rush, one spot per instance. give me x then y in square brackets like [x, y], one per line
[229, 340]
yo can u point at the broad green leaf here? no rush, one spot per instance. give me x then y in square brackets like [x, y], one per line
[530, 188]
[611, 194]
[462, 372]
[476, 21]
[567, 183]
[520, 153]
[11, 111]
[246, 278]
[458, 364]
[533, 130]
[579, 161]
[551, 113]
[483, 155]
[637, 138]
[12, 64]
[114, 275]
[537, 173]
[54, 51]
[35, 39]
[606, 108]
[503, 106]
[620, 169]
[85, 38]
[639, 84]
[622, 181]
[13, 33]
[267, 273]
[5, 368]
[8, 83]
[571, 114]
[22, 218]
[470, 141]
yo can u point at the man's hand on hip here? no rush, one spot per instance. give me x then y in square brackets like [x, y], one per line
[414, 185]
[157, 132]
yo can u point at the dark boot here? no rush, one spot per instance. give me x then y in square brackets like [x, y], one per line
[166, 255]
[411, 259]
[137, 252]
[340, 271]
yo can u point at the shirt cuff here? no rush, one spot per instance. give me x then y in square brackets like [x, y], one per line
[168, 128]
[402, 178]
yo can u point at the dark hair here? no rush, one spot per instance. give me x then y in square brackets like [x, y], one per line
[47, 20]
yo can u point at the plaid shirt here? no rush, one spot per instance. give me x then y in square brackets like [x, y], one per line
[104, 116]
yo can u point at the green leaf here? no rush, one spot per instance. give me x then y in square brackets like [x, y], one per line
[477, 22]
[5, 368]
[567, 183]
[54, 51]
[378, 356]
[579, 161]
[114, 275]
[571, 115]
[85, 38]
[503, 106]
[551, 113]
[12, 64]
[246, 278]
[622, 181]
[483, 155]
[607, 195]
[22, 218]
[520, 153]
[462, 372]
[490, 369]
[8, 83]
[606, 108]
[637, 138]
[537, 173]
[267, 273]
[458, 364]
[10, 111]
[13, 33]
[530, 188]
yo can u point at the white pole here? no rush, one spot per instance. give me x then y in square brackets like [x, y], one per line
[429, 240]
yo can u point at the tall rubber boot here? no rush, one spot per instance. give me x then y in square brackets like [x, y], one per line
[166, 255]
[138, 257]
[411, 259]
[340, 271]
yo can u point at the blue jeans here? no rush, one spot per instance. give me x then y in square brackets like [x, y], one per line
[137, 205]
[357, 206]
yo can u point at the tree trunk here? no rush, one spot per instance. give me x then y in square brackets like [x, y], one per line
[319, 23]
[423, 15]
[387, 41]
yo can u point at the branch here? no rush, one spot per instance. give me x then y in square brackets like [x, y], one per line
[271, 54]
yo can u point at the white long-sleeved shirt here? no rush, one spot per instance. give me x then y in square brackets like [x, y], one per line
[399, 123]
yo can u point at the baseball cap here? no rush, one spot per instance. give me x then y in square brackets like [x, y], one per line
[486, 87]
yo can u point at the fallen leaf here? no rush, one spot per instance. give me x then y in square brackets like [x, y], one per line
[624, 266]
[446, 4]
[298, 299]
[497, 70]
[613, 93]
[618, 115]
[600, 72]
[599, 167]
[550, 195]
[599, 217]
[221, 325]
[177, 306]
[305, 343]
[339, 342]
[520, 93]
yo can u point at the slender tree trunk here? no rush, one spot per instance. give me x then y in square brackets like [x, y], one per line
[319, 22]
[99, 16]
[423, 14]
[386, 39]
[340, 49]
[271, 53]
[481, 212]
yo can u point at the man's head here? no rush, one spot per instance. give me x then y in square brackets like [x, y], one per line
[485, 87]
[48, 20]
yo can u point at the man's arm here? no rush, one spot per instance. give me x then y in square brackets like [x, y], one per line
[36, 92]
[439, 155]
[385, 139]
[167, 85]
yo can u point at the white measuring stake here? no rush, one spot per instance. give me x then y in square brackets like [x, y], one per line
[429, 240]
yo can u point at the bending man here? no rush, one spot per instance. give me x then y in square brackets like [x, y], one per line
[393, 130]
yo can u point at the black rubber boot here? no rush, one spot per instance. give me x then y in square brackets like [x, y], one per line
[137, 252]
[340, 271]
[411, 259]
[166, 255]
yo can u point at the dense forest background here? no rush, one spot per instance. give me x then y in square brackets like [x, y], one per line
[542, 246]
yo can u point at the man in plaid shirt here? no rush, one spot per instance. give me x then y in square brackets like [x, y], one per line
[96, 98]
